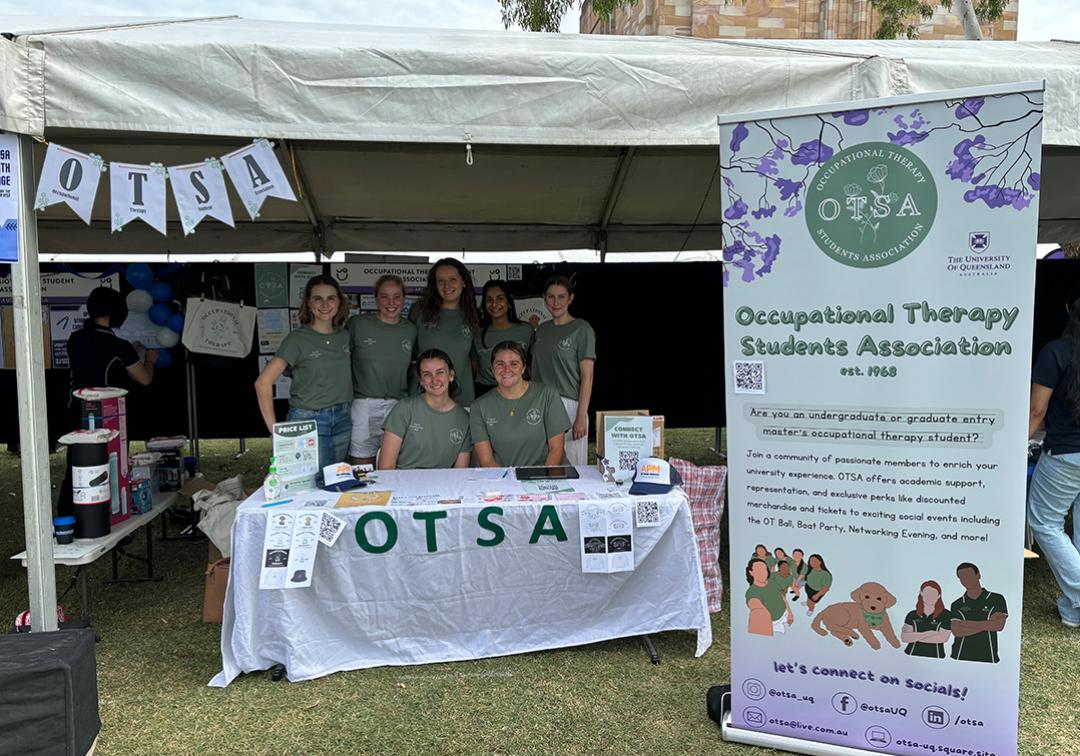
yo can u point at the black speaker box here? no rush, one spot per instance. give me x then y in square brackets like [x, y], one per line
[48, 693]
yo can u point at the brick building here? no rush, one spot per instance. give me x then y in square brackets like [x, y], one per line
[773, 19]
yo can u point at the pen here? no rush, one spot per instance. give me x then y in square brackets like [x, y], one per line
[275, 503]
[506, 472]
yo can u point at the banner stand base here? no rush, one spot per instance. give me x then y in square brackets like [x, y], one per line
[742, 735]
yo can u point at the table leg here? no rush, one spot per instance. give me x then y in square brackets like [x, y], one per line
[650, 649]
[84, 595]
[147, 560]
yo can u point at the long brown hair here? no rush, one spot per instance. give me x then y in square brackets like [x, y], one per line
[305, 315]
[939, 607]
[429, 306]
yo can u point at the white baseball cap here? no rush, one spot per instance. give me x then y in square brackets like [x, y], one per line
[654, 476]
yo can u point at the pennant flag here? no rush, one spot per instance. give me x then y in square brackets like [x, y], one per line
[137, 191]
[256, 174]
[199, 191]
[70, 177]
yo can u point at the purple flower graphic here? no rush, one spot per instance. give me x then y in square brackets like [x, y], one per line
[764, 212]
[969, 108]
[1034, 180]
[998, 196]
[904, 137]
[794, 209]
[767, 167]
[787, 187]
[737, 210]
[963, 167]
[854, 117]
[812, 152]
[738, 136]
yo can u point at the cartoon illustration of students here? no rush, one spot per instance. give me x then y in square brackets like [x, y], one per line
[762, 553]
[798, 573]
[769, 610]
[926, 628]
[977, 617]
[818, 582]
[780, 556]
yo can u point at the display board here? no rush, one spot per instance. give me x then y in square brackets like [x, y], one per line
[878, 321]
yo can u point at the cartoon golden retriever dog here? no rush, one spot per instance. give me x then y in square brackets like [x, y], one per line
[865, 613]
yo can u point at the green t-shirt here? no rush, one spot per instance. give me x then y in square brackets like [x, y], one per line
[483, 343]
[453, 336]
[519, 429]
[768, 559]
[770, 597]
[381, 355]
[799, 570]
[920, 623]
[818, 580]
[429, 439]
[780, 582]
[981, 647]
[321, 367]
[557, 354]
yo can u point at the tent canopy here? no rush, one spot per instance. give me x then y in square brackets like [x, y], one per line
[579, 141]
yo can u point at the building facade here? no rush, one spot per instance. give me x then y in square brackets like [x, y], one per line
[774, 19]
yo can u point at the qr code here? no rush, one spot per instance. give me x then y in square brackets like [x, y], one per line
[647, 514]
[628, 460]
[749, 377]
[513, 272]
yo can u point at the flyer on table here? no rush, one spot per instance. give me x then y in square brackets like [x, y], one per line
[879, 281]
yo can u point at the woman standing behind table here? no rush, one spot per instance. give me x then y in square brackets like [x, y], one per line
[498, 322]
[446, 318]
[429, 431]
[382, 347]
[520, 423]
[563, 357]
[319, 354]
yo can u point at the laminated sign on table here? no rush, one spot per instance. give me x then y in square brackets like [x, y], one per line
[607, 540]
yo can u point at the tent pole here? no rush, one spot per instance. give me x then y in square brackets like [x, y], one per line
[30, 383]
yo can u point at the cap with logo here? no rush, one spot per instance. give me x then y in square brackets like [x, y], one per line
[654, 476]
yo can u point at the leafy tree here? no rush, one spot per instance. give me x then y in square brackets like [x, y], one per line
[898, 17]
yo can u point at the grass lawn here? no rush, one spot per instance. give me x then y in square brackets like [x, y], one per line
[155, 657]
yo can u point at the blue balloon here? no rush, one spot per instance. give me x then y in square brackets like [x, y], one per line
[139, 275]
[161, 292]
[176, 322]
[164, 359]
[160, 314]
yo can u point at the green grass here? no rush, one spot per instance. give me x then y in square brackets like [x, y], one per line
[155, 658]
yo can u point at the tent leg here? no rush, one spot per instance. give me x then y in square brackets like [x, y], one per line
[193, 412]
[33, 411]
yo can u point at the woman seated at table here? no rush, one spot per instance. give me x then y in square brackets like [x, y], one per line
[431, 430]
[521, 422]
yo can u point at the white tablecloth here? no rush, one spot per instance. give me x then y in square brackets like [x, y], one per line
[463, 601]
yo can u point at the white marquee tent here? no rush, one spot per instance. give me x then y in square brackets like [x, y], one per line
[595, 142]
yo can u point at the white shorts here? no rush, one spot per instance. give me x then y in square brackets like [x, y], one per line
[368, 416]
[577, 452]
[779, 627]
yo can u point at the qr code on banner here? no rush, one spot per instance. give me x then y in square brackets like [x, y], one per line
[628, 460]
[749, 377]
[647, 514]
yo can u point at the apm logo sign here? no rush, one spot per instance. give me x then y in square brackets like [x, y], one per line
[871, 205]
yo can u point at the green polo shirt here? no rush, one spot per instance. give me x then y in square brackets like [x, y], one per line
[381, 355]
[484, 342]
[429, 439]
[920, 623]
[321, 367]
[981, 647]
[770, 597]
[818, 580]
[519, 429]
[557, 354]
[453, 336]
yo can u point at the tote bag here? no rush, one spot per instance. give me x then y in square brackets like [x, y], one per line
[224, 329]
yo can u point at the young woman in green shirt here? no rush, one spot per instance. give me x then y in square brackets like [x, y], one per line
[818, 582]
[447, 318]
[520, 423]
[770, 613]
[318, 353]
[498, 322]
[429, 431]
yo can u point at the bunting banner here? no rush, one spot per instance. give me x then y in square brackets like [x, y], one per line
[138, 191]
[256, 174]
[70, 177]
[199, 191]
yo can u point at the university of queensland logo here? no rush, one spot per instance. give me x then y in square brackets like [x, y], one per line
[979, 241]
[871, 205]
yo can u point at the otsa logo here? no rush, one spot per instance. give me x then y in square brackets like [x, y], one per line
[871, 205]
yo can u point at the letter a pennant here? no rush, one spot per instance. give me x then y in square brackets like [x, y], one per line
[256, 174]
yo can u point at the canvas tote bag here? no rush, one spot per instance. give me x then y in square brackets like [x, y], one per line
[224, 329]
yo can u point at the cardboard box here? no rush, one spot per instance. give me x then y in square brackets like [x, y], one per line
[217, 578]
[658, 429]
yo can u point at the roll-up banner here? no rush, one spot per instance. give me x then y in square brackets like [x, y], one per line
[880, 273]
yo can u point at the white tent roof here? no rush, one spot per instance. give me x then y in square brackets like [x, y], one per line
[579, 140]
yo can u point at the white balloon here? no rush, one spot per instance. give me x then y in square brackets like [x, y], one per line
[139, 300]
[167, 337]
